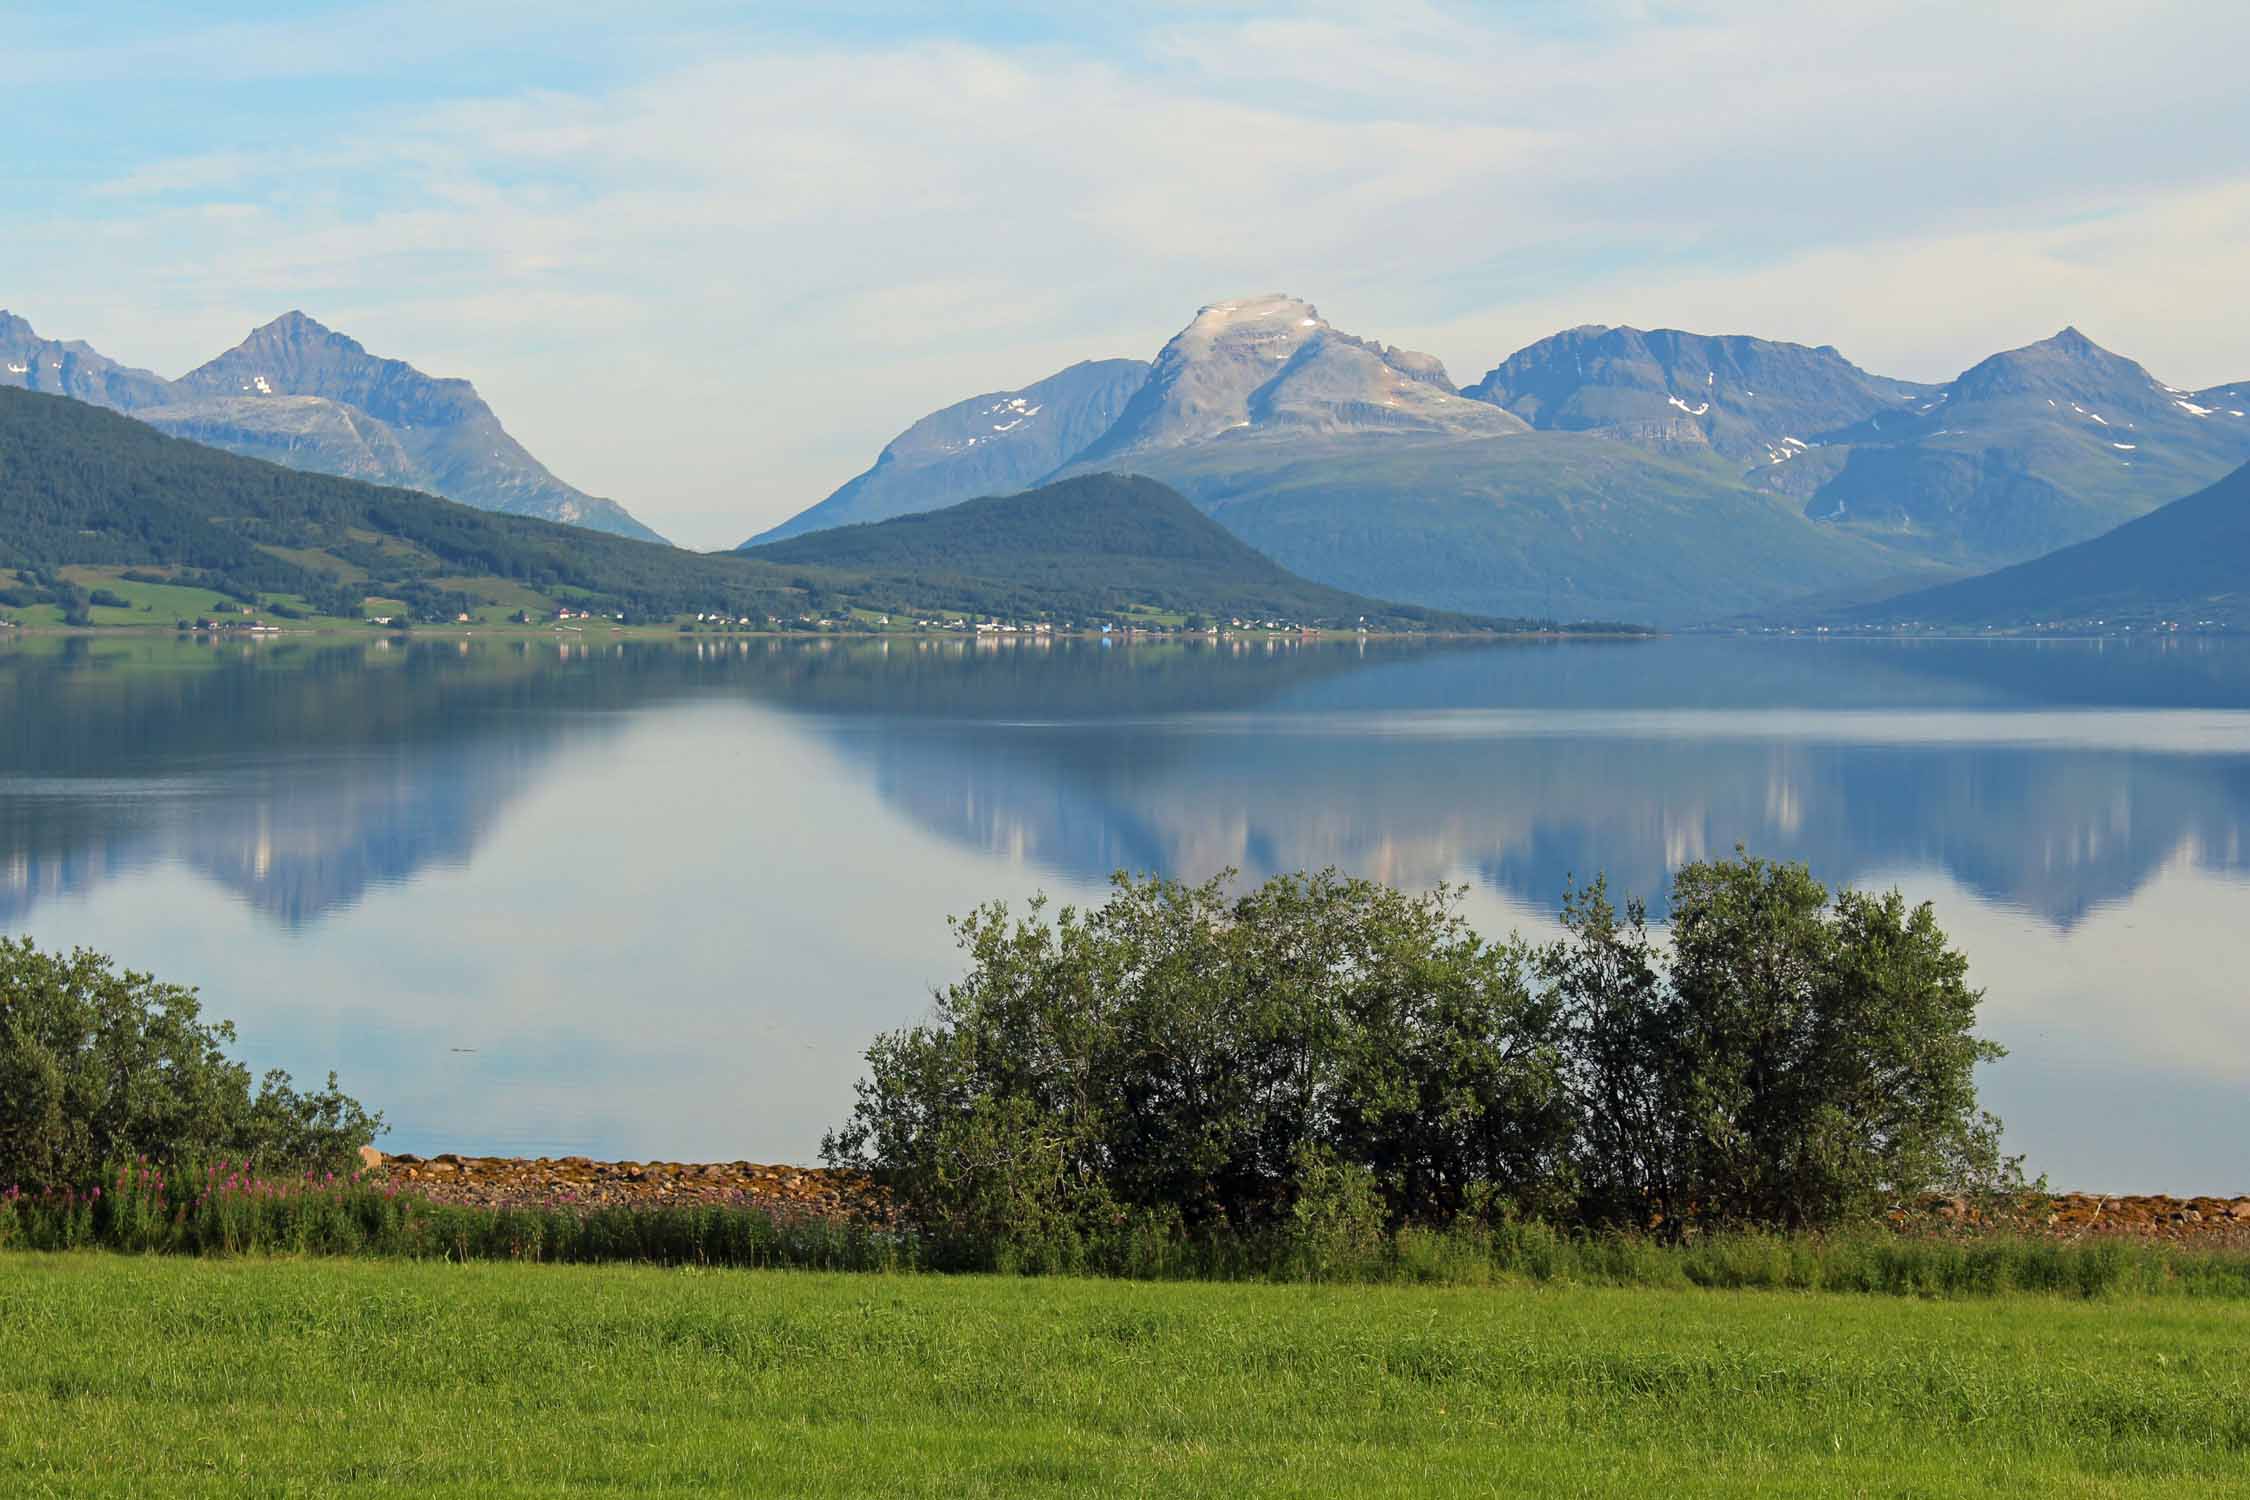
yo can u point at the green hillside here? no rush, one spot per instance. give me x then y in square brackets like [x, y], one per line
[105, 521]
[87, 489]
[1540, 523]
[2187, 562]
[1116, 540]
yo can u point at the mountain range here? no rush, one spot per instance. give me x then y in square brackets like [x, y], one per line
[1613, 472]
[1604, 472]
[300, 394]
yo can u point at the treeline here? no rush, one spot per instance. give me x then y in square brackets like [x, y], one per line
[1333, 1058]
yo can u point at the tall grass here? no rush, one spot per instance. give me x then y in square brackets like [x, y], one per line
[222, 1210]
[226, 1210]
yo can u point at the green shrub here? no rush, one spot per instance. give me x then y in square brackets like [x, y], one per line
[1290, 1061]
[1792, 1061]
[98, 1065]
[1318, 1050]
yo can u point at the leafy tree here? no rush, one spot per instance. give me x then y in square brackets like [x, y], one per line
[1329, 1054]
[1175, 1053]
[99, 1066]
[1794, 1061]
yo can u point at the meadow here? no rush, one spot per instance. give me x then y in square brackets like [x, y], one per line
[131, 1375]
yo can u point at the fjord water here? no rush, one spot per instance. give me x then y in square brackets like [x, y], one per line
[652, 899]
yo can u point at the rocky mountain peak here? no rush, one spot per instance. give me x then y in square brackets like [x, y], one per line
[996, 443]
[1252, 365]
[297, 355]
[1761, 402]
[2067, 367]
[298, 327]
[74, 369]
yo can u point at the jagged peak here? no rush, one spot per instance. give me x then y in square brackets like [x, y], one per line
[2071, 341]
[297, 326]
[1249, 309]
[2067, 341]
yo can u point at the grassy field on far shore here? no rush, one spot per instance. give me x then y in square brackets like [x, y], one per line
[147, 1376]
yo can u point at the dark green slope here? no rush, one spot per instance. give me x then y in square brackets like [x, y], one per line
[2187, 561]
[80, 485]
[1557, 524]
[1113, 540]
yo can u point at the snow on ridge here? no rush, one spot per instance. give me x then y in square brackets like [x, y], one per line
[2127, 447]
[2192, 409]
[1693, 411]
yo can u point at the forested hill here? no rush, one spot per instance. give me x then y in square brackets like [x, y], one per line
[80, 485]
[2186, 562]
[84, 491]
[1113, 539]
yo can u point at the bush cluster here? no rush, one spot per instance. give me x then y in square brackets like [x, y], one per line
[1334, 1060]
[99, 1065]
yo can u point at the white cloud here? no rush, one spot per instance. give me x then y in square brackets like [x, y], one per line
[2159, 282]
[714, 291]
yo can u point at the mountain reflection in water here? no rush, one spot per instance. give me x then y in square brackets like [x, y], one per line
[800, 796]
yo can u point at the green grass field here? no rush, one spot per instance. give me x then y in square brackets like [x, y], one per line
[130, 1376]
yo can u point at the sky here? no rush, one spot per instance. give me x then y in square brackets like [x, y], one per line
[707, 259]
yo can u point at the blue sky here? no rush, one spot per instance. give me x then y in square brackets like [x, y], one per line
[707, 259]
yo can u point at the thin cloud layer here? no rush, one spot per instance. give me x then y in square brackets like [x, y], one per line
[711, 278]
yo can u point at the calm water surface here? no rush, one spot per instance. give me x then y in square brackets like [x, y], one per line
[652, 900]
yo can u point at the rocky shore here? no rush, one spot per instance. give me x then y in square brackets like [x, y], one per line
[510, 1181]
[507, 1181]
[2206, 1220]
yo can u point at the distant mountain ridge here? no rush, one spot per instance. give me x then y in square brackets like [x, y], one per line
[2028, 450]
[995, 443]
[73, 368]
[1751, 400]
[298, 393]
[1362, 466]
[1629, 473]
[2187, 563]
